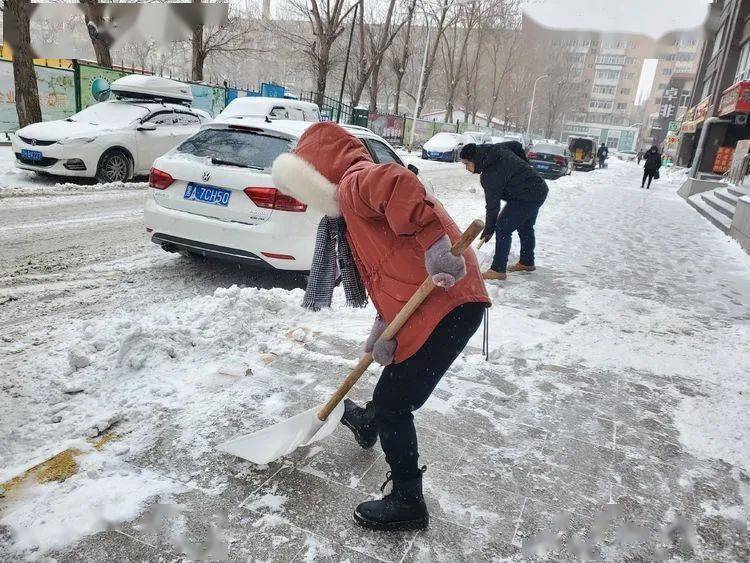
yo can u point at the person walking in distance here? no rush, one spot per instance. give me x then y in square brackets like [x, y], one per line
[397, 234]
[639, 156]
[651, 166]
[602, 154]
[505, 176]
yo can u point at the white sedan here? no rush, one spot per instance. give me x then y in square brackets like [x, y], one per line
[111, 141]
[213, 195]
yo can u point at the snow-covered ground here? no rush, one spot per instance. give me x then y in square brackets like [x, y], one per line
[617, 375]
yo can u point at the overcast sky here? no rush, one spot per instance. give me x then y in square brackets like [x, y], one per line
[651, 17]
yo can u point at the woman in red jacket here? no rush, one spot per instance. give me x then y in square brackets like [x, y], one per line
[398, 234]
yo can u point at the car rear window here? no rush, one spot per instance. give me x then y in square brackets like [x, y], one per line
[585, 144]
[241, 147]
[549, 149]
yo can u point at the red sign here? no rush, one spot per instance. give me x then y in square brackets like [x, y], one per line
[735, 99]
[701, 110]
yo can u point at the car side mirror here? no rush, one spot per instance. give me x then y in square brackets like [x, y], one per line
[414, 169]
[148, 126]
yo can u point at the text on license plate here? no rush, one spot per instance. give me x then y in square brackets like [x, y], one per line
[542, 166]
[31, 155]
[207, 194]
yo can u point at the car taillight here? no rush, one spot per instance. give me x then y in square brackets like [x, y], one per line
[561, 160]
[271, 198]
[159, 180]
[531, 154]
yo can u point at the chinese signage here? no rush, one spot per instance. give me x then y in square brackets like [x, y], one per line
[695, 116]
[735, 99]
[723, 160]
[669, 109]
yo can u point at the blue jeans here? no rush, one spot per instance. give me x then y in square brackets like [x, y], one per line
[516, 216]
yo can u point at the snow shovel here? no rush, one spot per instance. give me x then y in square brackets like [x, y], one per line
[315, 424]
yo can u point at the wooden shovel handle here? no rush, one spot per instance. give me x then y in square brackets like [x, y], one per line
[399, 321]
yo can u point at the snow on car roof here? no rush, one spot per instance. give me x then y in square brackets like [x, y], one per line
[260, 106]
[283, 126]
[136, 85]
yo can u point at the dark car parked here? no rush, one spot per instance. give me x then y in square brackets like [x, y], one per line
[550, 161]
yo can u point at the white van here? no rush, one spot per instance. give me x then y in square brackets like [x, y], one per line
[272, 108]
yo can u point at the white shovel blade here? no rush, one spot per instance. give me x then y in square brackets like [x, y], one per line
[284, 437]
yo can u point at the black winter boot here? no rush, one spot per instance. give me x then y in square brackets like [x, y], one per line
[402, 509]
[361, 423]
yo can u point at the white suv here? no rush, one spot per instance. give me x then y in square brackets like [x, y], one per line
[213, 194]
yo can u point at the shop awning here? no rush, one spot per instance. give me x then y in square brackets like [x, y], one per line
[735, 99]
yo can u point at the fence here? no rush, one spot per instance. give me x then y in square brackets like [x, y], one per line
[330, 109]
[64, 91]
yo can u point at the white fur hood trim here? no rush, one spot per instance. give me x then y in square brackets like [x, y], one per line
[295, 177]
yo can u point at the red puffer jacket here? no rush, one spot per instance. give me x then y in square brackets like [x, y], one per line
[391, 221]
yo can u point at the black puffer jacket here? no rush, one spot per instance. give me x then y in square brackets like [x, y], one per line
[506, 177]
[653, 160]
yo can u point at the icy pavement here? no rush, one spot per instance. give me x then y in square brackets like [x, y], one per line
[612, 420]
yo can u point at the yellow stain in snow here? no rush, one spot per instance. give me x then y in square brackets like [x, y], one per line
[57, 468]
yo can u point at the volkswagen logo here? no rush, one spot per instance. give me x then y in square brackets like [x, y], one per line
[206, 175]
[33, 142]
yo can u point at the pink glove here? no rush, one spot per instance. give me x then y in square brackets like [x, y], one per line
[384, 351]
[444, 268]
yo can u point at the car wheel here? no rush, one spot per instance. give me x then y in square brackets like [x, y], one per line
[114, 166]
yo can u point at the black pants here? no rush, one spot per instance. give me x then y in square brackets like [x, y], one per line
[405, 387]
[516, 216]
[648, 174]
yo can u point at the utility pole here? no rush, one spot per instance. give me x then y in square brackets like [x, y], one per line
[531, 111]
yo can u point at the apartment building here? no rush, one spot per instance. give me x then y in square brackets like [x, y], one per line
[608, 69]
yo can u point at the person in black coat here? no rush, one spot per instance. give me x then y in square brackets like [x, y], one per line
[602, 153]
[507, 176]
[651, 166]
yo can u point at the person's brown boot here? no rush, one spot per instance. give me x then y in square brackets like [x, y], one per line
[493, 275]
[518, 267]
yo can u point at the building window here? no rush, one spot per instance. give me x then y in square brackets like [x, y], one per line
[625, 91]
[622, 106]
[608, 74]
[743, 66]
[629, 76]
[666, 71]
[610, 90]
[600, 104]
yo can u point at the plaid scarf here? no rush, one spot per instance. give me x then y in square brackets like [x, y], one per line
[330, 244]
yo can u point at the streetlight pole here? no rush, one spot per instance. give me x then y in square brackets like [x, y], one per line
[419, 91]
[424, 68]
[346, 63]
[531, 111]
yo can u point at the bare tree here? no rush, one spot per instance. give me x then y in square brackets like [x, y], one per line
[24, 77]
[233, 36]
[443, 20]
[399, 59]
[101, 39]
[323, 23]
[373, 42]
[453, 50]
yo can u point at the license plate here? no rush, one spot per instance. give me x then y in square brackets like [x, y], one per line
[35, 156]
[542, 166]
[207, 194]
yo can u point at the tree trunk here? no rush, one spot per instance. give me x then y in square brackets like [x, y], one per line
[397, 98]
[26, 92]
[375, 88]
[199, 56]
[100, 38]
